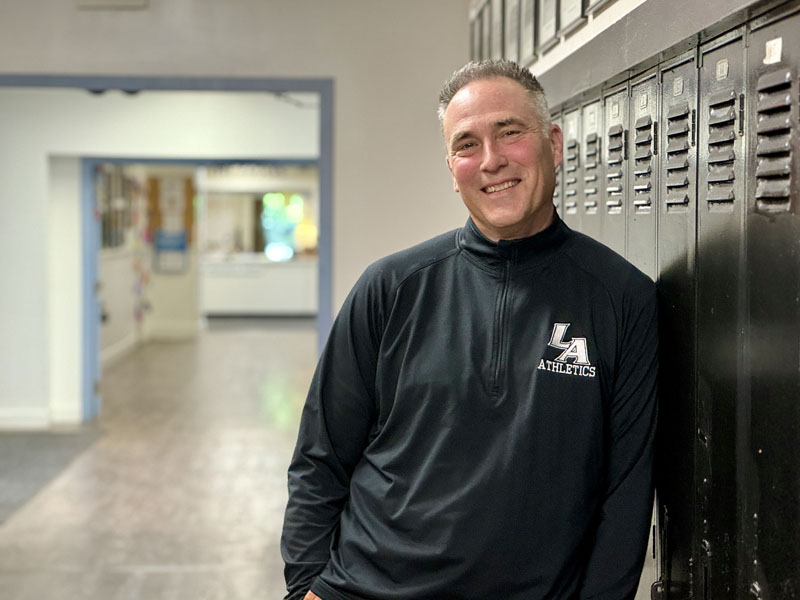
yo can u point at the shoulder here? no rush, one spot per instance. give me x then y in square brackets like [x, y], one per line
[621, 280]
[390, 271]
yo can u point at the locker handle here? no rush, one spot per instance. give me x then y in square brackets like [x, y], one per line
[694, 125]
[655, 138]
[741, 114]
[625, 145]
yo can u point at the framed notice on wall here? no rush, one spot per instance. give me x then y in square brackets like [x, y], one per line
[497, 28]
[573, 13]
[548, 24]
[527, 31]
[512, 30]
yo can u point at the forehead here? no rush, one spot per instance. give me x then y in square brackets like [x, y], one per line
[489, 99]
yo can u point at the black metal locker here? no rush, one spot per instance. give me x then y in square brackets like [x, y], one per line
[772, 440]
[593, 170]
[676, 284]
[573, 172]
[614, 202]
[558, 192]
[720, 315]
[643, 175]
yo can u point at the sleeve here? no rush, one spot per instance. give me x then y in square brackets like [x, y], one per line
[617, 553]
[335, 425]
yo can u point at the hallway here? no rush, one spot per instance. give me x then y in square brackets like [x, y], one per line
[181, 495]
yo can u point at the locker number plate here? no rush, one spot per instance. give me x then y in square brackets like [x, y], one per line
[772, 51]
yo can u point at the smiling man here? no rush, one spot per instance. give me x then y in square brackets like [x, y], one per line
[480, 424]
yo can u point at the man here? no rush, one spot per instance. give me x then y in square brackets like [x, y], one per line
[480, 424]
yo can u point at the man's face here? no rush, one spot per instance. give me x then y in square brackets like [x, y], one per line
[502, 163]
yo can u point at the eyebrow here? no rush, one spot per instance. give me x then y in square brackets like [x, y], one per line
[497, 125]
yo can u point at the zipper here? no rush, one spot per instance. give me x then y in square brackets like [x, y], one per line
[500, 327]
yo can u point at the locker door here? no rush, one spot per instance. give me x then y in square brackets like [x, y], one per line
[616, 189]
[592, 180]
[643, 175]
[773, 283]
[676, 283]
[720, 299]
[558, 192]
[573, 198]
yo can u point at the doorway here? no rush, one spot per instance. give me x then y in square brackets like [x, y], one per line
[79, 153]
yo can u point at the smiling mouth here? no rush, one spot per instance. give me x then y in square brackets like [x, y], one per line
[500, 186]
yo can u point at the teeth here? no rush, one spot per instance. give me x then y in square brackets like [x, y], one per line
[502, 186]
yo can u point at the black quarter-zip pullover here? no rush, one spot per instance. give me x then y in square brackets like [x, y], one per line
[480, 427]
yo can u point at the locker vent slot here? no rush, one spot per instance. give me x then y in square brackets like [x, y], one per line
[571, 182]
[591, 152]
[677, 166]
[642, 170]
[721, 155]
[615, 169]
[774, 149]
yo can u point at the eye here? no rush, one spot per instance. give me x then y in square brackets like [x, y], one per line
[465, 147]
[511, 132]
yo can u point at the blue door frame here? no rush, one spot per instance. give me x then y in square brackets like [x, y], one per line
[90, 239]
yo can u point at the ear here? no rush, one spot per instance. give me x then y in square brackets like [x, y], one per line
[557, 141]
[450, 168]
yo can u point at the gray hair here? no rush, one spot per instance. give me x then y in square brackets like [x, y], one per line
[490, 69]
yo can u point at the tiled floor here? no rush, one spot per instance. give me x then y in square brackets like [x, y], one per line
[182, 495]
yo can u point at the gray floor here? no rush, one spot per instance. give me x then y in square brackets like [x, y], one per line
[177, 492]
[181, 494]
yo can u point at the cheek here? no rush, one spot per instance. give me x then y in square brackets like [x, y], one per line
[463, 171]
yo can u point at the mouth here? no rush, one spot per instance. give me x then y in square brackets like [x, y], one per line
[499, 187]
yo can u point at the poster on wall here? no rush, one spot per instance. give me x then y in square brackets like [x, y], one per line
[172, 212]
[512, 30]
[497, 28]
[548, 24]
[572, 15]
[527, 31]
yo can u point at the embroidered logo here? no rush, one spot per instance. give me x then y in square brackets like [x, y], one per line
[574, 357]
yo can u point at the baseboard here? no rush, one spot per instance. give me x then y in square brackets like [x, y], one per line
[172, 330]
[66, 414]
[118, 350]
[24, 417]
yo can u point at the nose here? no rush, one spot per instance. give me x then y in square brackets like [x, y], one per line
[493, 156]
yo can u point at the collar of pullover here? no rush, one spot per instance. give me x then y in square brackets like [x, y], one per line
[522, 253]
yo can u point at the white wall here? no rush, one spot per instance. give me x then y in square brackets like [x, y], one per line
[40, 309]
[388, 60]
